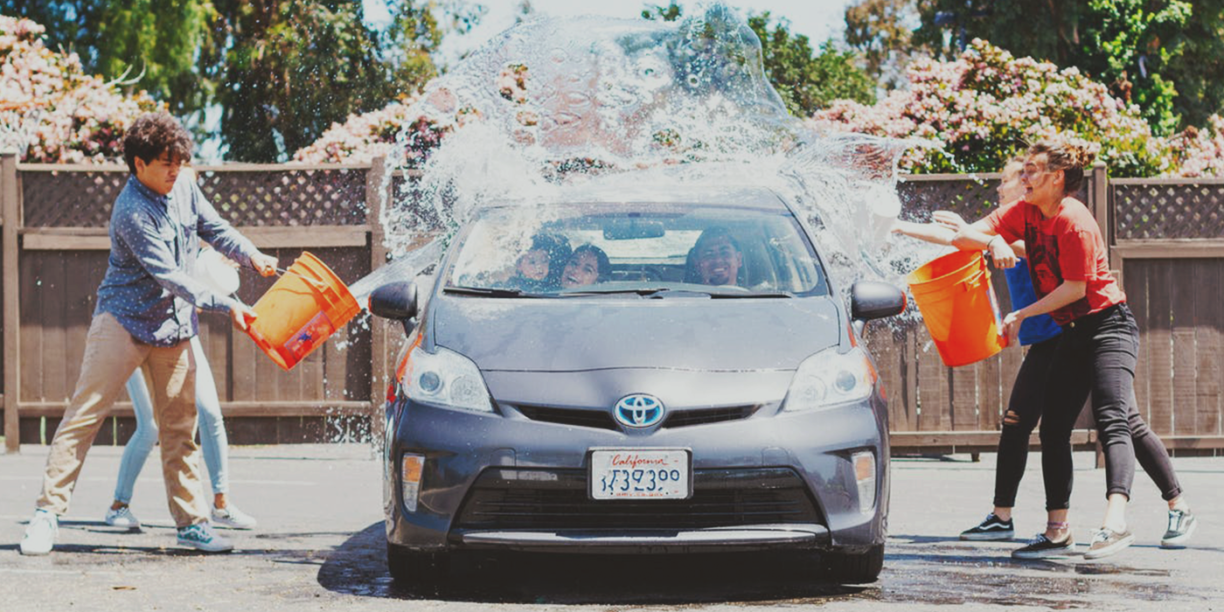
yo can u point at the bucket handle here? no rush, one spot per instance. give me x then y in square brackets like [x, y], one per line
[328, 290]
[969, 283]
[316, 283]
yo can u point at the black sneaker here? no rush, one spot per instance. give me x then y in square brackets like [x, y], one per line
[1106, 542]
[991, 529]
[1041, 547]
[1181, 526]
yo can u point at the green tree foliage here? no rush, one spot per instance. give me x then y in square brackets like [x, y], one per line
[880, 31]
[282, 70]
[1140, 48]
[806, 82]
[289, 70]
[148, 44]
[292, 68]
[1197, 66]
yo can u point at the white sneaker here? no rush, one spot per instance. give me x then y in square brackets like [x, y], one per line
[201, 536]
[40, 533]
[122, 517]
[230, 516]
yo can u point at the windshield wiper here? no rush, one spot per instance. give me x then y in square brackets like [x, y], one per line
[488, 292]
[642, 291]
[740, 296]
[712, 293]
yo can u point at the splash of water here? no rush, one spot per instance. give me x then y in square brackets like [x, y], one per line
[553, 103]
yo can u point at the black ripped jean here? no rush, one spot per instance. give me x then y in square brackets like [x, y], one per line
[1023, 413]
[1096, 355]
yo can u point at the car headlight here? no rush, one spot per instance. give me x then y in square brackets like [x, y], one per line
[829, 379]
[446, 379]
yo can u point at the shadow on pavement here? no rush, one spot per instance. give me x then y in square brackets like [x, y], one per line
[359, 567]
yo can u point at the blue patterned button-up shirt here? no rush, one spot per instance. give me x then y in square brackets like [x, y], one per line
[149, 286]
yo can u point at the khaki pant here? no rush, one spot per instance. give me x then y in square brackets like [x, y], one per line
[111, 355]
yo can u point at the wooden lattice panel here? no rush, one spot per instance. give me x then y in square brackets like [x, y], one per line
[69, 198]
[288, 197]
[1163, 210]
[970, 198]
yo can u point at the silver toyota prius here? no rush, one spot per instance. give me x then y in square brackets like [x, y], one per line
[635, 375]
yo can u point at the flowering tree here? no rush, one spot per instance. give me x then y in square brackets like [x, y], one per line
[1201, 152]
[80, 118]
[365, 136]
[986, 105]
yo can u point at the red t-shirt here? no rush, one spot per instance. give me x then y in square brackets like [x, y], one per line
[1065, 247]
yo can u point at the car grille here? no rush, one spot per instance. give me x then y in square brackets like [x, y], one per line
[557, 499]
[685, 418]
[603, 420]
[567, 416]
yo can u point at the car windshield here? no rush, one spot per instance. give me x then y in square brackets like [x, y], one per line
[642, 249]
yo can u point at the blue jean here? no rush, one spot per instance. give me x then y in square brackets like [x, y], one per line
[213, 441]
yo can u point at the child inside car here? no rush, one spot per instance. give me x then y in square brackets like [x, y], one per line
[539, 268]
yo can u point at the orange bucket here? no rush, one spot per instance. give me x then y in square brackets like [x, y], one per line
[301, 310]
[958, 306]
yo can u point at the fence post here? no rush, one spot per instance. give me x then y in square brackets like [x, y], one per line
[1102, 209]
[376, 192]
[10, 209]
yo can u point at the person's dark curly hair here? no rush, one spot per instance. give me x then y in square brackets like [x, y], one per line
[153, 134]
[602, 263]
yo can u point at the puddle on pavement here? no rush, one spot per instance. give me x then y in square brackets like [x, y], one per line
[912, 574]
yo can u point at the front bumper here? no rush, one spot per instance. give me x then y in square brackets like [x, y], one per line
[766, 482]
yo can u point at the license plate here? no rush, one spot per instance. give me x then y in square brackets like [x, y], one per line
[655, 473]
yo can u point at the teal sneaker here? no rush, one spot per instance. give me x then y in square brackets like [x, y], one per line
[201, 536]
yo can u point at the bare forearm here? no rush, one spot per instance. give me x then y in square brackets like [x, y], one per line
[928, 232]
[970, 238]
[1066, 293]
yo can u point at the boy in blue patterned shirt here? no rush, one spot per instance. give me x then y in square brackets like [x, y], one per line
[145, 318]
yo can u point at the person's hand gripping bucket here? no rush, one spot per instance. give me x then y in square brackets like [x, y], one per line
[305, 306]
[959, 308]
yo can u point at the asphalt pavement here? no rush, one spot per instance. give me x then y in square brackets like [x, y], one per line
[319, 545]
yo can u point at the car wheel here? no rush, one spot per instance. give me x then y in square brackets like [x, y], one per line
[414, 568]
[855, 568]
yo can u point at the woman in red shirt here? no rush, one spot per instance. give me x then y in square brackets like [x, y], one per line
[1096, 353]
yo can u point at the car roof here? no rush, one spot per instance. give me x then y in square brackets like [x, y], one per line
[709, 187]
[724, 195]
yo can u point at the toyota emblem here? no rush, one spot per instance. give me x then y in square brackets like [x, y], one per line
[639, 411]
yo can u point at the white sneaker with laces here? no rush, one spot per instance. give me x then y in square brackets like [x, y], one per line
[230, 516]
[122, 517]
[40, 533]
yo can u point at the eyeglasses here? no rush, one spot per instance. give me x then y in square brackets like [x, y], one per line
[1031, 171]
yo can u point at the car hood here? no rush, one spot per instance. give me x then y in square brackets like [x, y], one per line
[575, 334]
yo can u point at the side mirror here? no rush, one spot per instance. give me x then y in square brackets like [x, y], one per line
[396, 301]
[875, 300]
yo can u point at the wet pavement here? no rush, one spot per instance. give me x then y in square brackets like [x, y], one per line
[320, 545]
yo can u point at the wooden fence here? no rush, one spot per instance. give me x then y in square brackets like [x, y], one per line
[55, 248]
[1166, 246]
[1165, 241]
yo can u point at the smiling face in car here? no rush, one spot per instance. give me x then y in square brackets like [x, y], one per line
[581, 269]
[718, 261]
[533, 265]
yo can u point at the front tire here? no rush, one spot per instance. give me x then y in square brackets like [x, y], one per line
[417, 569]
[855, 568]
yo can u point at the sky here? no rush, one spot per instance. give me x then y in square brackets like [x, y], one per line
[817, 19]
